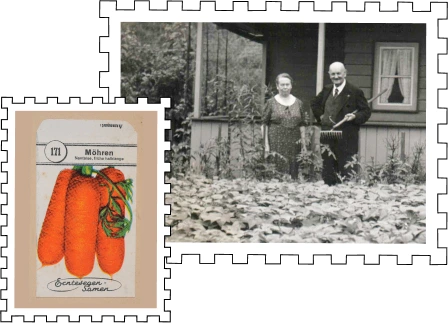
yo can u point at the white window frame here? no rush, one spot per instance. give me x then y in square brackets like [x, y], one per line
[412, 106]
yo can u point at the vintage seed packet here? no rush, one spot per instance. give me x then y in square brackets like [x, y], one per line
[85, 202]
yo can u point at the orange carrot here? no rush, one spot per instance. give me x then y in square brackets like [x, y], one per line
[110, 251]
[81, 220]
[50, 247]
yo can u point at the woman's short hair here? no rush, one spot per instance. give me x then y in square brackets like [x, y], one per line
[285, 75]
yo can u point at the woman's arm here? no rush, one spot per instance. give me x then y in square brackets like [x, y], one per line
[303, 137]
[265, 133]
[266, 120]
[302, 125]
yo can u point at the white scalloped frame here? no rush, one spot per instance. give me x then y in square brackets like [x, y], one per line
[311, 11]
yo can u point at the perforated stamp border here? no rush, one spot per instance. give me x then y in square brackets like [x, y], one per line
[433, 254]
[163, 273]
[105, 67]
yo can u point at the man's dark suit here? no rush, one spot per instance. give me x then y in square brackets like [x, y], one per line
[349, 100]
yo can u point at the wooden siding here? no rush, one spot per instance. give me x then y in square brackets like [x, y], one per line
[359, 52]
[372, 139]
[334, 47]
[205, 132]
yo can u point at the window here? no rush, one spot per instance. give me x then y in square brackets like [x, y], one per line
[395, 76]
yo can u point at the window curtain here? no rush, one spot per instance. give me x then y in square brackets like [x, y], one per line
[404, 69]
[389, 67]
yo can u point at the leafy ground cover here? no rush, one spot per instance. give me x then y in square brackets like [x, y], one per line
[206, 210]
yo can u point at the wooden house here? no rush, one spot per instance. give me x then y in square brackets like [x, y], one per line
[377, 57]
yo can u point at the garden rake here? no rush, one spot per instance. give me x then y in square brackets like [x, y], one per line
[334, 134]
[337, 134]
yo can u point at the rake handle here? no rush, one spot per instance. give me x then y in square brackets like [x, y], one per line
[376, 96]
[342, 121]
[338, 133]
[369, 101]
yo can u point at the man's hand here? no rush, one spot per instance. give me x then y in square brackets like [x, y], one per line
[350, 116]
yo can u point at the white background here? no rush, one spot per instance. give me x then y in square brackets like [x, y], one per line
[306, 14]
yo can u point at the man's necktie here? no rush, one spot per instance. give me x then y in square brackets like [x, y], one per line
[336, 92]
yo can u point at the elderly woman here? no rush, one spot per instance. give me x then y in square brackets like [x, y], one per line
[284, 127]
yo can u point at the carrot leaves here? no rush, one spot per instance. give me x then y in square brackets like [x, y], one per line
[127, 186]
[114, 224]
[85, 170]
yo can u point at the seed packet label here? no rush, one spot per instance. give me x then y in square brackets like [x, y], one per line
[85, 202]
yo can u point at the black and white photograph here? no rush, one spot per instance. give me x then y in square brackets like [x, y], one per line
[288, 132]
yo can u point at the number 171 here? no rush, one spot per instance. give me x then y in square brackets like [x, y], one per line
[56, 151]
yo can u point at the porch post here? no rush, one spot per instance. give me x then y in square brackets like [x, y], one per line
[198, 73]
[320, 58]
[263, 71]
[315, 138]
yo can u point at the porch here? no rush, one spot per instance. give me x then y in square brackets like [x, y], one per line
[305, 52]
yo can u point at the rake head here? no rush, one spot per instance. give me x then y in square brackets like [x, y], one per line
[331, 134]
[334, 134]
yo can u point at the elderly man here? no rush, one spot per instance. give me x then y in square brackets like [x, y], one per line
[336, 101]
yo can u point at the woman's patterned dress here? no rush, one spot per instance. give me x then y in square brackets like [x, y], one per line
[284, 133]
